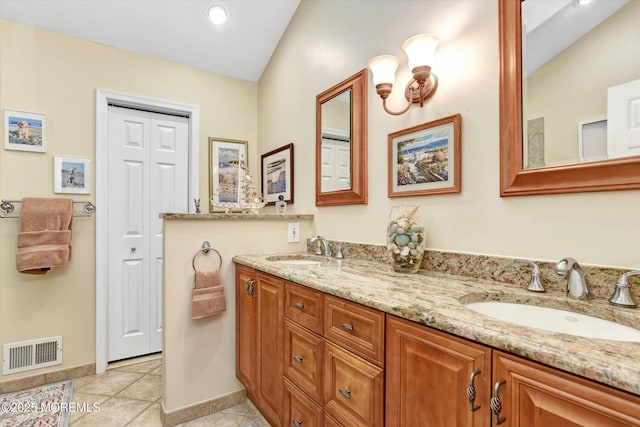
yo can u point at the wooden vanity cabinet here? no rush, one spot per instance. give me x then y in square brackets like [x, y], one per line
[365, 368]
[540, 396]
[427, 375]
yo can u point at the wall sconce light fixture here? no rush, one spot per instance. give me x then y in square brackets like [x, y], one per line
[420, 50]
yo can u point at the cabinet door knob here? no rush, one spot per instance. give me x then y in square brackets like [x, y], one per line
[345, 393]
[471, 391]
[296, 423]
[347, 326]
[299, 305]
[297, 359]
[496, 404]
[133, 248]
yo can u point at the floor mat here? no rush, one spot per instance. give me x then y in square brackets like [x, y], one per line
[46, 405]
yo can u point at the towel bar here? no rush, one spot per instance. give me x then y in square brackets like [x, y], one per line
[205, 249]
[6, 206]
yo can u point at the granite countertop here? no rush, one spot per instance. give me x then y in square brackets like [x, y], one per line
[437, 300]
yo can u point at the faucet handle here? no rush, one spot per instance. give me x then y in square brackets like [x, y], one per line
[622, 295]
[535, 285]
[339, 254]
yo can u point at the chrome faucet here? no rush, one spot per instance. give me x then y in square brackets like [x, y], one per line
[621, 296]
[535, 284]
[321, 243]
[576, 284]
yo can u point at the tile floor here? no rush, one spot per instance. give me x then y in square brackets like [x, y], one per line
[129, 395]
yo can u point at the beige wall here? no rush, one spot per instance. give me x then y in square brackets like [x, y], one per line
[56, 75]
[607, 56]
[330, 40]
[200, 354]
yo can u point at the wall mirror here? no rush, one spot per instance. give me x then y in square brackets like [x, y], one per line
[559, 131]
[341, 143]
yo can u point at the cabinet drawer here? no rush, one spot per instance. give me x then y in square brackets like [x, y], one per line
[355, 327]
[299, 410]
[303, 356]
[304, 305]
[353, 388]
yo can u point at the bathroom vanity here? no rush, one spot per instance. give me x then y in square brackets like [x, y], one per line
[351, 343]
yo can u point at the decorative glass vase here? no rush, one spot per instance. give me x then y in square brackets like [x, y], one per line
[405, 238]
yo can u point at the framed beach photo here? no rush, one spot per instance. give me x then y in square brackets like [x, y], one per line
[24, 131]
[71, 175]
[425, 159]
[227, 160]
[277, 175]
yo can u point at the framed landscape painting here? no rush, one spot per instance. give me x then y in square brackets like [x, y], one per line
[277, 175]
[227, 161]
[425, 159]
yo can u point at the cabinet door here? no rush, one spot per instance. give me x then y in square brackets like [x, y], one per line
[353, 389]
[246, 328]
[427, 376]
[534, 395]
[270, 345]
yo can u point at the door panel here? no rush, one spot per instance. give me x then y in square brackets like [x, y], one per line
[147, 161]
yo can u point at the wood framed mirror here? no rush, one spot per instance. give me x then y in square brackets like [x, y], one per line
[515, 179]
[341, 143]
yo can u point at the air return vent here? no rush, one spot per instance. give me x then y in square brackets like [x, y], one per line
[33, 354]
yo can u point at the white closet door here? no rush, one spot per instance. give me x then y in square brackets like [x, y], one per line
[148, 174]
[169, 185]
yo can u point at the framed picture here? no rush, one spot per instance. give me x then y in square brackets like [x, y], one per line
[71, 175]
[227, 160]
[24, 131]
[277, 175]
[425, 159]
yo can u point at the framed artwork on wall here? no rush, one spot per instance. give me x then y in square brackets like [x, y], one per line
[425, 159]
[277, 175]
[24, 131]
[227, 161]
[71, 175]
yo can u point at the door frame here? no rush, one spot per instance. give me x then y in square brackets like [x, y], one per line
[103, 99]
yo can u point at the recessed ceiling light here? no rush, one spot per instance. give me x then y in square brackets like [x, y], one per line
[218, 14]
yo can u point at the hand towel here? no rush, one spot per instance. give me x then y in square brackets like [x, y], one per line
[44, 240]
[207, 297]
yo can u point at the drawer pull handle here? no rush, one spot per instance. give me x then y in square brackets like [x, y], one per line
[347, 326]
[299, 305]
[296, 423]
[496, 404]
[471, 391]
[345, 393]
[297, 359]
[249, 284]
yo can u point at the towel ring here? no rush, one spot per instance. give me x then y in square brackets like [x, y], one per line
[206, 248]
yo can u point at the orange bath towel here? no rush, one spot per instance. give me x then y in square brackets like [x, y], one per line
[207, 297]
[44, 240]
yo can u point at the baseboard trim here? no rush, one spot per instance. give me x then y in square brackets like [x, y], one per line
[36, 380]
[201, 409]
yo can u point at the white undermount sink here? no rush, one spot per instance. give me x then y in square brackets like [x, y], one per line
[556, 320]
[294, 260]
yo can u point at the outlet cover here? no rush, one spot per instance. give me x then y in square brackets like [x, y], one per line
[293, 232]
